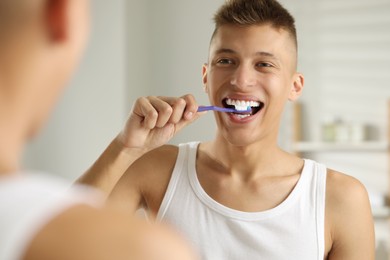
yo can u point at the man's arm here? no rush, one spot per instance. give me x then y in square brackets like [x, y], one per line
[349, 217]
[152, 122]
[110, 166]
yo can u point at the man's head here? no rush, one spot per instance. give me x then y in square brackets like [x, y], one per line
[252, 62]
[41, 43]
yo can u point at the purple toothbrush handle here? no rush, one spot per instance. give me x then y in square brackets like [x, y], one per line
[220, 109]
[206, 108]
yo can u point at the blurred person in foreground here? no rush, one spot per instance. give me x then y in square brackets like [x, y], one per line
[240, 196]
[42, 217]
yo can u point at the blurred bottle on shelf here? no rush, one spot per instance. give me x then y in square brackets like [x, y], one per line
[338, 130]
[328, 129]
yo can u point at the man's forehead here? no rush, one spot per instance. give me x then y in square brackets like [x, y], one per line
[257, 40]
[260, 33]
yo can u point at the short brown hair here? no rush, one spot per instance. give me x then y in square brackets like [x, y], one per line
[255, 12]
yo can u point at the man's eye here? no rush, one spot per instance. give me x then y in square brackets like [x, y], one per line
[224, 61]
[264, 64]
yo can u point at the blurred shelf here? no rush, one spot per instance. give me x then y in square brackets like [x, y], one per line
[368, 146]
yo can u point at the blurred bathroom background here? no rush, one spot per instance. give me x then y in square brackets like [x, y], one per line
[145, 47]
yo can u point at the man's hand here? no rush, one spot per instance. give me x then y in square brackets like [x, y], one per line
[153, 121]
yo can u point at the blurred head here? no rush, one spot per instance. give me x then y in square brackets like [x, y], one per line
[41, 43]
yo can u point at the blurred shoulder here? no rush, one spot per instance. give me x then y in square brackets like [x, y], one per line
[102, 234]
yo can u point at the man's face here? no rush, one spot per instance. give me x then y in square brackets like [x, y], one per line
[251, 66]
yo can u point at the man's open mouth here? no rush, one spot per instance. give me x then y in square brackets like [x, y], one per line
[243, 105]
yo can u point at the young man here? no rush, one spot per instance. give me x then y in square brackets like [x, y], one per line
[40, 217]
[240, 196]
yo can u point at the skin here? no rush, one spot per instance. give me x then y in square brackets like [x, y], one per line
[42, 41]
[104, 234]
[253, 63]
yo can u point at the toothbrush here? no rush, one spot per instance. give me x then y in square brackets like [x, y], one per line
[223, 109]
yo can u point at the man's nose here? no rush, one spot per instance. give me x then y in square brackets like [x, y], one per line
[244, 76]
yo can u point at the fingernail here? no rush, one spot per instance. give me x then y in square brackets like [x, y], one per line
[189, 115]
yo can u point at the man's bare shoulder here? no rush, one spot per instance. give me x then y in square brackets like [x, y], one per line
[146, 180]
[103, 234]
[345, 196]
[167, 152]
[348, 216]
[158, 161]
[154, 171]
[344, 190]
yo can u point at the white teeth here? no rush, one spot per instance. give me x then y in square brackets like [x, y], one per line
[241, 108]
[243, 115]
[242, 105]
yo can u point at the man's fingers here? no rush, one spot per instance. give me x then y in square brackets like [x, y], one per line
[184, 107]
[183, 123]
[159, 111]
[146, 112]
[178, 106]
[164, 110]
[191, 107]
[184, 110]
[152, 112]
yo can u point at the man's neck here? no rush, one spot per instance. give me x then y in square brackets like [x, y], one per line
[263, 157]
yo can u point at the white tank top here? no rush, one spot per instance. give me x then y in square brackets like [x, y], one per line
[30, 201]
[292, 230]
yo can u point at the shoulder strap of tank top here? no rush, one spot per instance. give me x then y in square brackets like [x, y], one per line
[321, 172]
[182, 158]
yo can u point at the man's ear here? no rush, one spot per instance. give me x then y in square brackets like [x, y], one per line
[57, 19]
[297, 87]
[204, 77]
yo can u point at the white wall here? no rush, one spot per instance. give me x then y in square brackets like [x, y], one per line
[137, 35]
[345, 55]
[136, 48]
[94, 106]
[177, 38]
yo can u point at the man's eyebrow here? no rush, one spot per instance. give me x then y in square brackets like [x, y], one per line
[259, 53]
[224, 50]
[266, 54]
